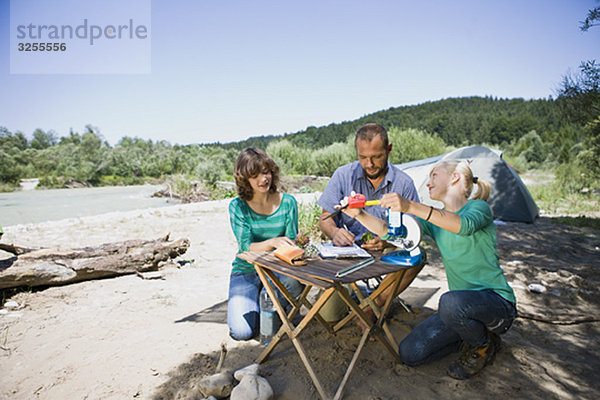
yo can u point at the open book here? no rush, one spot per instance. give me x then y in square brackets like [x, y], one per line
[328, 250]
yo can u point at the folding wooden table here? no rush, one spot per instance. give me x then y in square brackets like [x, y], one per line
[322, 274]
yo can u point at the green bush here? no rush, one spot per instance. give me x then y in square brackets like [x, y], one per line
[328, 159]
[290, 158]
[530, 149]
[413, 144]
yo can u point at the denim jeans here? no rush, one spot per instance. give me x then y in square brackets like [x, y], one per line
[243, 302]
[463, 315]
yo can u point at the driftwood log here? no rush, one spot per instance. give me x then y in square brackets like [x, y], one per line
[54, 266]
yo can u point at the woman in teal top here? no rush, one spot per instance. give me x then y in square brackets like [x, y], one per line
[480, 304]
[262, 219]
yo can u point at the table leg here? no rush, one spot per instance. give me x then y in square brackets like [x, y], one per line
[363, 341]
[301, 301]
[369, 323]
[370, 302]
[287, 328]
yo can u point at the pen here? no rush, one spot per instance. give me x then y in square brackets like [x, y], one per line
[355, 267]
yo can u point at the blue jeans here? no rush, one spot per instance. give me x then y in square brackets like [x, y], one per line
[463, 315]
[243, 302]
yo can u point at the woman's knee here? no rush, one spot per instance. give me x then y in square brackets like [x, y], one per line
[241, 334]
[292, 286]
[243, 328]
[408, 355]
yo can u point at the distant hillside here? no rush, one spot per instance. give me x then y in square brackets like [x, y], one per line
[455, 120]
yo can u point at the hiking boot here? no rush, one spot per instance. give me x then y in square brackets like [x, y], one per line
[473, 359]
[496, 341]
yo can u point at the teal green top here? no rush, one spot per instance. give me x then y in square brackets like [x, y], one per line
[470, 256]
[250, 227]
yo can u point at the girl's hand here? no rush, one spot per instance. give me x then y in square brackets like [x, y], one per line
[351, 212]
[395, 202]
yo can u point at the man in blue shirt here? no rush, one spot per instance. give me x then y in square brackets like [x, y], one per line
[372, 175]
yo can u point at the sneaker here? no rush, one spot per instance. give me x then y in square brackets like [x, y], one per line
[473, 359]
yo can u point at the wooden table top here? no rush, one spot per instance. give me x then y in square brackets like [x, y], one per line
[321, 272]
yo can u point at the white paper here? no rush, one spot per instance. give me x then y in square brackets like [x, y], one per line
[328, 250]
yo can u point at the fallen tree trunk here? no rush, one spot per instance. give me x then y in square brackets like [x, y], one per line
[53, 266]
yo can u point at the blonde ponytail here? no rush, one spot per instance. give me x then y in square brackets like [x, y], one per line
[462, 167]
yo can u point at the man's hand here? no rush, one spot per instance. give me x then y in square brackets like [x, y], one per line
[375, 244]
[343, 237]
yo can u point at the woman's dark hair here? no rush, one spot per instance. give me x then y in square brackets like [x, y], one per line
[249, 164]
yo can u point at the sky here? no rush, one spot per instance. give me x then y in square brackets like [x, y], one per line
[222, 71]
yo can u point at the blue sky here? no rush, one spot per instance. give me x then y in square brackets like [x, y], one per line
[228, 70]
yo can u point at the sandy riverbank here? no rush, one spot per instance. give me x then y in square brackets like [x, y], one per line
[128, 338]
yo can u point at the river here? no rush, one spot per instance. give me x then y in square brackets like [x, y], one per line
[33, 206]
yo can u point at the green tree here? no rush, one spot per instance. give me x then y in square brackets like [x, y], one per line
[42, 140]
[592, 19]
[579, 94]
[588, 159]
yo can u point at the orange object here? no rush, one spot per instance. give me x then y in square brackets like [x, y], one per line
[292, 255]
[360, 201]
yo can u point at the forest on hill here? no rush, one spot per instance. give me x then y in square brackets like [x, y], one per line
[531, 132]
[457, 121]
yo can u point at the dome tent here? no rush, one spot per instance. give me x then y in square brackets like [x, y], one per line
[509, 199]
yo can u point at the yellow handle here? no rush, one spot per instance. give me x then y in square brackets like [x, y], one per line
[371, 202]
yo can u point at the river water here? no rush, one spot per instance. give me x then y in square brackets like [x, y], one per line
[33, 206]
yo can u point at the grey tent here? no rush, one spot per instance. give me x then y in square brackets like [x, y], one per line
[509, 199]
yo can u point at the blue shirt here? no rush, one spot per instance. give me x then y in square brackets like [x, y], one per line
[350, 177]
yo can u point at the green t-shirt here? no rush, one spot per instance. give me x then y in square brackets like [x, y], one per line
[250, 227]
[470, 256]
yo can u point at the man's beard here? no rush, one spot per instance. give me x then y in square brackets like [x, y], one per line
[382, 171]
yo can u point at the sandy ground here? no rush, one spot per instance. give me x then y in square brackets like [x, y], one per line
[128, 338]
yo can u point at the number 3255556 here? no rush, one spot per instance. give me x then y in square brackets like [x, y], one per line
[42, 46]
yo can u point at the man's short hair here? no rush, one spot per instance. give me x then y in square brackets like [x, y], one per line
[368, 131]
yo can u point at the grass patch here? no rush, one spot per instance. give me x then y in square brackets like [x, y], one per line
[553, 200]
[579, 222]
[308, 220]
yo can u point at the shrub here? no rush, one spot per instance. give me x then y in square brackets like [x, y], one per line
[413, 144]
[308, 219]
[531, 149]
[328, 159]
[290, 158]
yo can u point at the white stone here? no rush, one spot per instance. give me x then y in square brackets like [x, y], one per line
[252, 387]
[218, 385]
[536, 288]
[11, 305]
[251, 369]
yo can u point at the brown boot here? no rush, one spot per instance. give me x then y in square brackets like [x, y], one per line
[473, 359]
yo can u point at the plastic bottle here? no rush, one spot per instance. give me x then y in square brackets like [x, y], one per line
[395, 226]
[269, 319]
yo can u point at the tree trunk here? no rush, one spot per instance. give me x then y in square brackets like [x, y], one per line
[54, 266]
